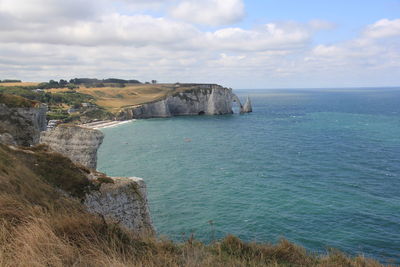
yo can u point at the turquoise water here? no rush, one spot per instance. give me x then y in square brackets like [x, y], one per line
[318, 167]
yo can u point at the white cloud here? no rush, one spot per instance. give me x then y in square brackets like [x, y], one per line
[209, 12]
[271, 36]
[113, 29]
[43, 39]
[383, 28]
[50, 10]
[141, 5]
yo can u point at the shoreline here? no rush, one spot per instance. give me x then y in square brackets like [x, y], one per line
[104, 124]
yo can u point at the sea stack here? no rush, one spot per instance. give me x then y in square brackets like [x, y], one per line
[247, 106]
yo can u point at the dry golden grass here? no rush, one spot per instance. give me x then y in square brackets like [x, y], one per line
[113, 98]
[20, 84]
[39, 226]
[57, 90]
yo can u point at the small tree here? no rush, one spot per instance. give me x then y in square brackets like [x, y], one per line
[153, 81]
[63, 83]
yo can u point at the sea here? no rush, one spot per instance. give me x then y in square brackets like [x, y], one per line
[318, 167]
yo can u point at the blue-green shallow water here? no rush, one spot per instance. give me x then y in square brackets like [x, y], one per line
[318, 167]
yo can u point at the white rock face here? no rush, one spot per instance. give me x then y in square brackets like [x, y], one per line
[247, 108]
[125, 201]
[206, 99]
[78, 143]
[23, 124]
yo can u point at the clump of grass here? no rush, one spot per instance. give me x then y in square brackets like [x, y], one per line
[105, 180]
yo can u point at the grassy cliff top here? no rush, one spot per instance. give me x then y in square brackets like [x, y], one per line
[41, 226]
[115, 98]
[111, 97]
[14, 101]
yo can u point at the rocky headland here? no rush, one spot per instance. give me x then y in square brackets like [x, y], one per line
[199, 99]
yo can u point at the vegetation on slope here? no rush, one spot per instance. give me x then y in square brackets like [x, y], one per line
[15, 101]
[41, 226]
[59, 102]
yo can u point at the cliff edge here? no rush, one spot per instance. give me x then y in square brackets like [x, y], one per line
[120, 198]
[78, 143]
[200, 99]
[21, 120]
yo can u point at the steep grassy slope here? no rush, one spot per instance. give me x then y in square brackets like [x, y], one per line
[42, 226]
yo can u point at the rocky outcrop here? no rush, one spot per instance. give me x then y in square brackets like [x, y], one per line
[124, 200]
[22, 125]
[78, 143]
[247, 108]
[208, 99]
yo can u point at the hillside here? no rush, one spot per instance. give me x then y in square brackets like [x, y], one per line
[41, 226]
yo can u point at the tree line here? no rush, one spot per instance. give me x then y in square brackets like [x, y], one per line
[10, 81]
[87, 82]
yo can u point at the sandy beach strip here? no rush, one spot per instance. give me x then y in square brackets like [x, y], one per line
[104, 124]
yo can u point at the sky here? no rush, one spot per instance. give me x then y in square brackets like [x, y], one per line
[241, 44]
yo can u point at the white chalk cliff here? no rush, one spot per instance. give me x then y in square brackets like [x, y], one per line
[77, 143]
[207, 99]
[124, 200]
[22, 126]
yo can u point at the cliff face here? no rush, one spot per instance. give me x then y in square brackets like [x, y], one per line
[206, 99]
[23, 124]
[122, 199]
[125, 200]
[78, 143]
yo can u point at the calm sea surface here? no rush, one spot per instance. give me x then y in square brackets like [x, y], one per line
[318, 167]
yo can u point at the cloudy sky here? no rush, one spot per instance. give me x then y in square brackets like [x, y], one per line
[236, 43]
